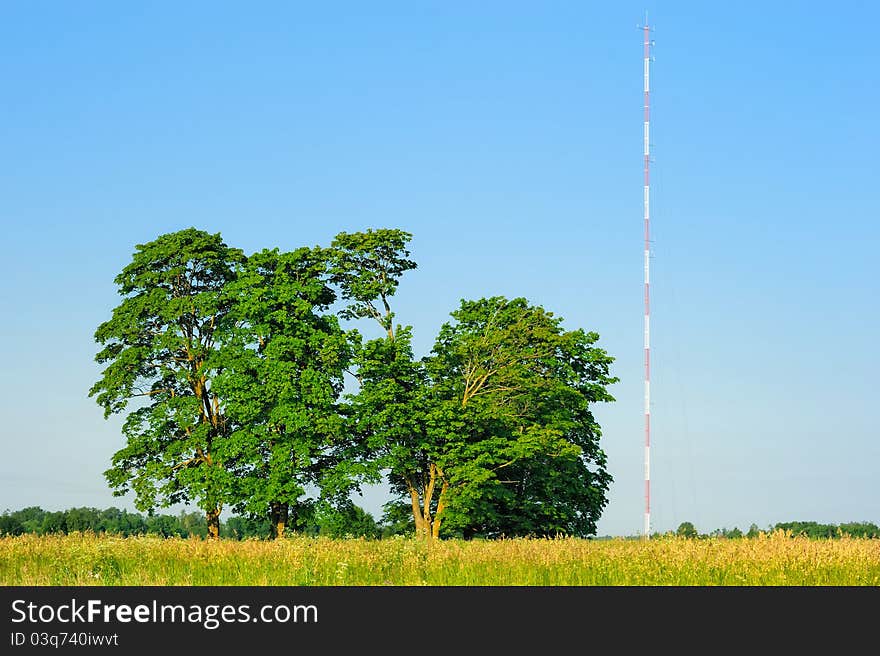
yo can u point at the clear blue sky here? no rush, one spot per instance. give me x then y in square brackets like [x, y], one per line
[507, 137]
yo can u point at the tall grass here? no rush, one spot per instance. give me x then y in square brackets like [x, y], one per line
[776, 559]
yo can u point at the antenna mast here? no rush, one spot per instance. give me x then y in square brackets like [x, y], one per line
[648, 43]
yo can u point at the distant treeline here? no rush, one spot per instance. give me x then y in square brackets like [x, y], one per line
[350, 521]
[808, 529]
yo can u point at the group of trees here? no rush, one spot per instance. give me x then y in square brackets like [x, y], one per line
[345, 521]
[230, 371]
[808, 529]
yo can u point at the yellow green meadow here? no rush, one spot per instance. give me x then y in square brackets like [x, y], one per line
[775, 559]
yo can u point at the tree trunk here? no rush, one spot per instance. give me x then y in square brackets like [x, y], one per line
[423, 528]
[213, 519]
[441, 506]
[278, 513]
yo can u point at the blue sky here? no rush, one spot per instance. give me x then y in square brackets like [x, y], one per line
[507, 137]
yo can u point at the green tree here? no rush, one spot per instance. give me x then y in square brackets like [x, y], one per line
[54, 522]
[83, 519]
[394, 408]
[241, 528]
[345, 520]
[114, 520]
[165, 526]
[494, 430]
[860, 529]
[390, 410]
[728, 533]
[161, 348]
[397, 519]
[281, 385]
[516, 444]
[809, 529]
[31, 518]
[193, 524]
[10, 525]
[687, 530]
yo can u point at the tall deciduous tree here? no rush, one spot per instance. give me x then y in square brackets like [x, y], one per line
[282, 380]
[391, 409]
[394, 410]
[519, 451]
[492, 433]
[161, 348]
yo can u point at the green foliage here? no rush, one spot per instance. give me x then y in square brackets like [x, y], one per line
[520, 445]
[859, 530]
[367, 267]
[10, 525]
[30, 518]
[238, 368]
[397, 520]
[161, 347]
[344, 520]
[231, 372]
[816, 530]
[686, 530]
[193, 524]
[392, 411]
[110, 520]
[727, 533]
[165, 526]
[491, 434]
[282, 378]
[54, 522]
[390, 414]
[242, 527]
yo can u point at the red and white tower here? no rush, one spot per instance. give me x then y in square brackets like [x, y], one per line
[646, 30]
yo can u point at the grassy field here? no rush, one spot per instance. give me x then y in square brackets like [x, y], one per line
[776, 560]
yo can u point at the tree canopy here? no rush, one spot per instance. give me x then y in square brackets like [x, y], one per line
[521, 453]
[230, 370]
[161, 346]
[282, 377]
